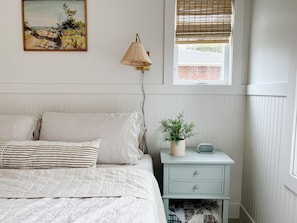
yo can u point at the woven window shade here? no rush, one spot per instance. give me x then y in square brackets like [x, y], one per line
[203, 21]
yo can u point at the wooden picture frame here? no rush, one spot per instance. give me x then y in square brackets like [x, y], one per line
[59, 25]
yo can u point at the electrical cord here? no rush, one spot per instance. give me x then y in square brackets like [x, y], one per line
[144, 145]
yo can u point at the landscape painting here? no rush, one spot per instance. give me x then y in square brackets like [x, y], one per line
[54, 25]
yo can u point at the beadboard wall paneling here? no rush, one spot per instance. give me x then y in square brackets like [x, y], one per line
[270, 104]
[289, 206]
[219, 119]
[264, 197]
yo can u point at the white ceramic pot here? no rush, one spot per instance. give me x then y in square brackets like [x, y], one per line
[178, 148]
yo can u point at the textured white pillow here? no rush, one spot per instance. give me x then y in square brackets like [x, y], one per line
[17, 127]
[48, 154]
[118, 133]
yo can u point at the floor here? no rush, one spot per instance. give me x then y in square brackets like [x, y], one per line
[234, 221]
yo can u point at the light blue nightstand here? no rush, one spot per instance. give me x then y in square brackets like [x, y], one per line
[196, 176]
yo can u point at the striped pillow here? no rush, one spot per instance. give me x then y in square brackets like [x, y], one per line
[48, 154]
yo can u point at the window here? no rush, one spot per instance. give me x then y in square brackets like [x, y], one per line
[294, 172]
[202, 41]
[290, 168]
[294, 149]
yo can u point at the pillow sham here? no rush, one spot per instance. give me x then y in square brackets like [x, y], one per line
[118, 133]
[48, 154]
[18, 127]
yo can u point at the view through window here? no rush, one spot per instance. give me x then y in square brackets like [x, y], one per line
[201, 63]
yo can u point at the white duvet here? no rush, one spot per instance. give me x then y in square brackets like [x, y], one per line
[80, 195]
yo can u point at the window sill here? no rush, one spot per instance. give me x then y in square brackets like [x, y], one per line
[196, 89]
[290, 182]
[199, 83]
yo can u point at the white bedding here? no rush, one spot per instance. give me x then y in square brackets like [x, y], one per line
[80, 195]
[145, 163]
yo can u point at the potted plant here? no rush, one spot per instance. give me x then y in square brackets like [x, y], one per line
[176, 131]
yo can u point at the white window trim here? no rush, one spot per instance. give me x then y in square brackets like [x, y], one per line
[293, 162]
[291, 177]
[238, 51]
[289, 136]
[291, 183]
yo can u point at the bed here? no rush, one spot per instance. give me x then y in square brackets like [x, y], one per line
[83, 168]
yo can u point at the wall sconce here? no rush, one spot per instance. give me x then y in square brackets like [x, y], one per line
[137, 56]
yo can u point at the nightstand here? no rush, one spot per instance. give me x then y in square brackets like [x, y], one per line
[196, 176]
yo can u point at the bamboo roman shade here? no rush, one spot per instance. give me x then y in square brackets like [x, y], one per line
[203, 21]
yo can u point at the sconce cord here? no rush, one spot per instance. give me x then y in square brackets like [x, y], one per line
[143, 97]
[137, 38]
[143, 113]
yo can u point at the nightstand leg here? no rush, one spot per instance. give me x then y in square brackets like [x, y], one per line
[166, 206]
[225, 210]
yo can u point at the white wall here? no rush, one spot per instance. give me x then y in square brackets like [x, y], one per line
[266, 197]
[273, 41]
[95, 81]
[109, 36]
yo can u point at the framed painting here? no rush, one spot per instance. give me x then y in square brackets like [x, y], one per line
[54, 25]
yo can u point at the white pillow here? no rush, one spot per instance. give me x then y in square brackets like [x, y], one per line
[45, 154]
[118, 133]
[17, 127]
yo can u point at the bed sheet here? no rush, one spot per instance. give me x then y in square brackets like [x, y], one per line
[145, 163]
[80, 195]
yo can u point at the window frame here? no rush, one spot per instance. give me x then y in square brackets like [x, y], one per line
[293, 169]
[292, 179]
[238, 51]
[293, 162]
[288, 172]
[187, 28]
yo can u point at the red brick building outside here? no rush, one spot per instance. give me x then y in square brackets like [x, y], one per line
[199, 65]
[191, 72]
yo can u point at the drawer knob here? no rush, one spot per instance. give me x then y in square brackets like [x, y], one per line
[196, 187]
[196, 173]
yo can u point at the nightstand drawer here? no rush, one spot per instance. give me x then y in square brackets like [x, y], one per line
[199, 172]
[197, 187]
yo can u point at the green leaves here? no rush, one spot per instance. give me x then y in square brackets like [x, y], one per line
[176, 129]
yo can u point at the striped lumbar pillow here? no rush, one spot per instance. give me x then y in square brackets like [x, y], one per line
[48, 154]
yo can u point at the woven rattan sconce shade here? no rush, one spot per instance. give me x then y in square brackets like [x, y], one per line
[136, 55]
[203, 21]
